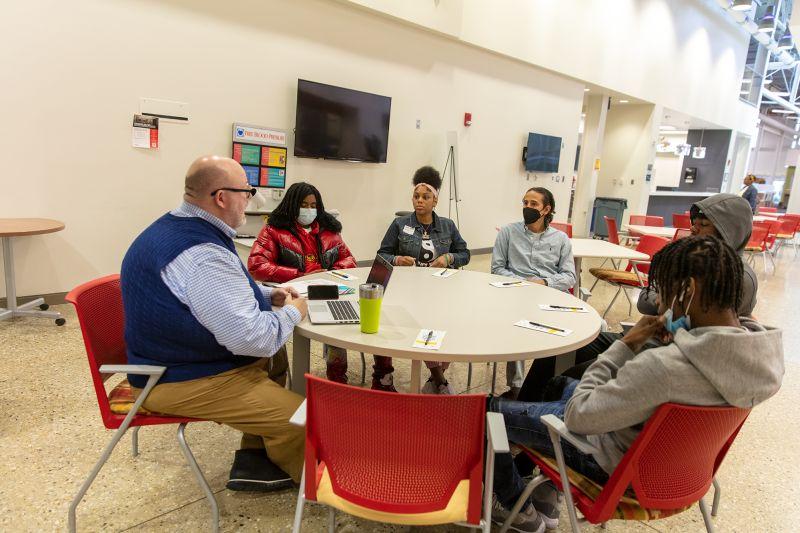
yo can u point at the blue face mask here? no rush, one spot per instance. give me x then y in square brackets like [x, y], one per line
[684, 322]
[306, 216]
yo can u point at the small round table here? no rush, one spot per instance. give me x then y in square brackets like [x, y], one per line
[478, 318]
[22, 227]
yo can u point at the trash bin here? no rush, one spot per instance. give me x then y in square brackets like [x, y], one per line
[607, 207]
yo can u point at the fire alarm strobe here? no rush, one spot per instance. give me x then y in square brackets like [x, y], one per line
[468, 119]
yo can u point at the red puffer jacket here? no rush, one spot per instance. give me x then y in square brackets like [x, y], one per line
[280, 256]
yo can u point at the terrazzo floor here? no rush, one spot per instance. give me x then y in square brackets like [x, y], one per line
[51, 435]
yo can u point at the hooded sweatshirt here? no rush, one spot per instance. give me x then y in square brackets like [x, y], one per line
[731, 216]
[739, 366]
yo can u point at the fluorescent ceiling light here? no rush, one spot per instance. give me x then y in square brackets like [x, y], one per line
[666, 127]
[747, 80]
[586, 90]
[742, 5]
[781, 93]
[676, 132]
[623, 101]
[783, 111]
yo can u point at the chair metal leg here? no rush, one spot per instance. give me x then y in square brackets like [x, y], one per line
[614, 299]
[717, 494]
[535, 482]
[135, 441]
[630, 303]
[73, 506]
[469, 376]
[198, 474]
[331, 520]
[494, 376]
[363, 369]
[289, 379]
[301, 501]
[706, 516]
[562, 471]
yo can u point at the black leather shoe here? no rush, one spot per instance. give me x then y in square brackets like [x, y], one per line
[253, 471]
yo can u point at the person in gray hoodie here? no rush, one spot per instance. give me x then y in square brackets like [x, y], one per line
[726, 216]
[709, 356]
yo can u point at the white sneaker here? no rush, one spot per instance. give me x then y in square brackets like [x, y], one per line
[446, 388]
[429, 388]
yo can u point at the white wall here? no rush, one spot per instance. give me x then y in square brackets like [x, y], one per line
[667, 165]
[628, 148]
[74, 71]
[686, 55]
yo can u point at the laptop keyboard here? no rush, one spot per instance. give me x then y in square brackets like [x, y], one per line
[343, 310]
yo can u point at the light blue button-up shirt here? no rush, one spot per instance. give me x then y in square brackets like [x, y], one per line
[209, 280]
[520, 253]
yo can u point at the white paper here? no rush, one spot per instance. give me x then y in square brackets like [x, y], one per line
[302, 286]
[509, 284]
[343, 276]
[429, 339]
[141, 137]
[552, 330]
[563, 309]
[444, 272]
[408, 230]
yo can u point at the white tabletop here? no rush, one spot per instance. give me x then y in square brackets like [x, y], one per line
[658, 231]
[599, 248]
[478, 318]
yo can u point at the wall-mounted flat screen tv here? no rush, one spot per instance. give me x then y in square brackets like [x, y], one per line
[543, 153]
[338, 123]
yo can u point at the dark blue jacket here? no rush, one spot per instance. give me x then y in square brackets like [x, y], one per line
[751, 195]
[443, 232]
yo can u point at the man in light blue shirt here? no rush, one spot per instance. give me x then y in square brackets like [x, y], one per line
[192, 307]
[533, 251]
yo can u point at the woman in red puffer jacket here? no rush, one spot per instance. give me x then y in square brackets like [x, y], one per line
[301, 238]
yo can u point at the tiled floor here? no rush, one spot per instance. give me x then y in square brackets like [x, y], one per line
[51, 434]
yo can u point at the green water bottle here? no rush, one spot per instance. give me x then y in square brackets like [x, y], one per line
[370, 296]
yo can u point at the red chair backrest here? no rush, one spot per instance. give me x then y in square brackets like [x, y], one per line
[772, 226]
[650, 220]
[680, 221]
[397, 453]
[613, 233]
[638, 220]
[563, 226]
[98, 304]
[767, 209]
[673, 460]
[680, 233]
[758, 237]
[788, 225]
[648, 244]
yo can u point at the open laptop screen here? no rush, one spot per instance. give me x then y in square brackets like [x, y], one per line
[381, 272]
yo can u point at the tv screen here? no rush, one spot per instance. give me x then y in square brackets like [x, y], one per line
[543, 154]
[338, 123]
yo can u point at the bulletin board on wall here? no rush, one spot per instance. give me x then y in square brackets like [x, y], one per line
[262, 153]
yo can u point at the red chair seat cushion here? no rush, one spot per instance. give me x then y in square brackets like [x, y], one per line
[585, 492]
[121, 400]
[623, 277]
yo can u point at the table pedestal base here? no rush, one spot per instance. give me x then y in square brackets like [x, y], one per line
[25, 309]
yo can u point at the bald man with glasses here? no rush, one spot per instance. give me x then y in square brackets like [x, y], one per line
[191, 306]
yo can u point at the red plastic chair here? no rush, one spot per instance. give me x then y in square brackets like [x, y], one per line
[680, 233]
[650, 220]
[98, 304]
[767, 209]
[680, 221]
[670, 465]
[787, 232]
[563, 226]
[359, 459]
[757, 245]
[773, 227]
[638, 220]
[635, 274]
[613, 231]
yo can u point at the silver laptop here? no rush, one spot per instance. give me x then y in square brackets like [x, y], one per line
[346, 311]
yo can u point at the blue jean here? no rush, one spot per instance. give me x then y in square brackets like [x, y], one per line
[524, 427]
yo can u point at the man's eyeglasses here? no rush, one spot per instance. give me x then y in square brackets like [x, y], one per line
[250, 192]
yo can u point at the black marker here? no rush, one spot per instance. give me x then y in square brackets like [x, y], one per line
[543, 326]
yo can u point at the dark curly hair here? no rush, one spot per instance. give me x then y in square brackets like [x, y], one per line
[709, 260]
[548, 201]
[427, 175]
[285, 215]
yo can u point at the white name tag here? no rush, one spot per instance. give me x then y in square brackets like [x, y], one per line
[408, 230]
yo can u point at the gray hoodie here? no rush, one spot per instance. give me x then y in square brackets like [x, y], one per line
[703, 366]
[733, 219]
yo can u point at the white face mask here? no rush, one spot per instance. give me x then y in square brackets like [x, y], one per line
[307, 216]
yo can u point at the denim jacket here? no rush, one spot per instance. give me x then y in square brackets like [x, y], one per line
[443, 232]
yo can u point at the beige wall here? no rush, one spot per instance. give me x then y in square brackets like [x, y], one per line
[628, 148]
[667, 165]
[74, 71]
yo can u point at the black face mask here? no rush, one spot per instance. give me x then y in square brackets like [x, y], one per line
[530, 215]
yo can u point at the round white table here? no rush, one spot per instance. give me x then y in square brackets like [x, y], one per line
[478, 318]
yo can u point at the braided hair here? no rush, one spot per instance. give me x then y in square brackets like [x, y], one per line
[285, 215]
[547, 196]
[710, 261]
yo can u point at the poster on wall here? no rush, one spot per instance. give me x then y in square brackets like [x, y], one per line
[145, 132]
[262, 153]
[699, 152]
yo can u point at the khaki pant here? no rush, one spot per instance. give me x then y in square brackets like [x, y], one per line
[246, 399]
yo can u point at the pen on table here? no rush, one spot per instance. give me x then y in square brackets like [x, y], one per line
[428, 339]
[442, 272]
[506, 284]
[340, 276]
[566, 307]
[543, 326]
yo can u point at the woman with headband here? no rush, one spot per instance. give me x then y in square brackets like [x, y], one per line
[424, 239]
